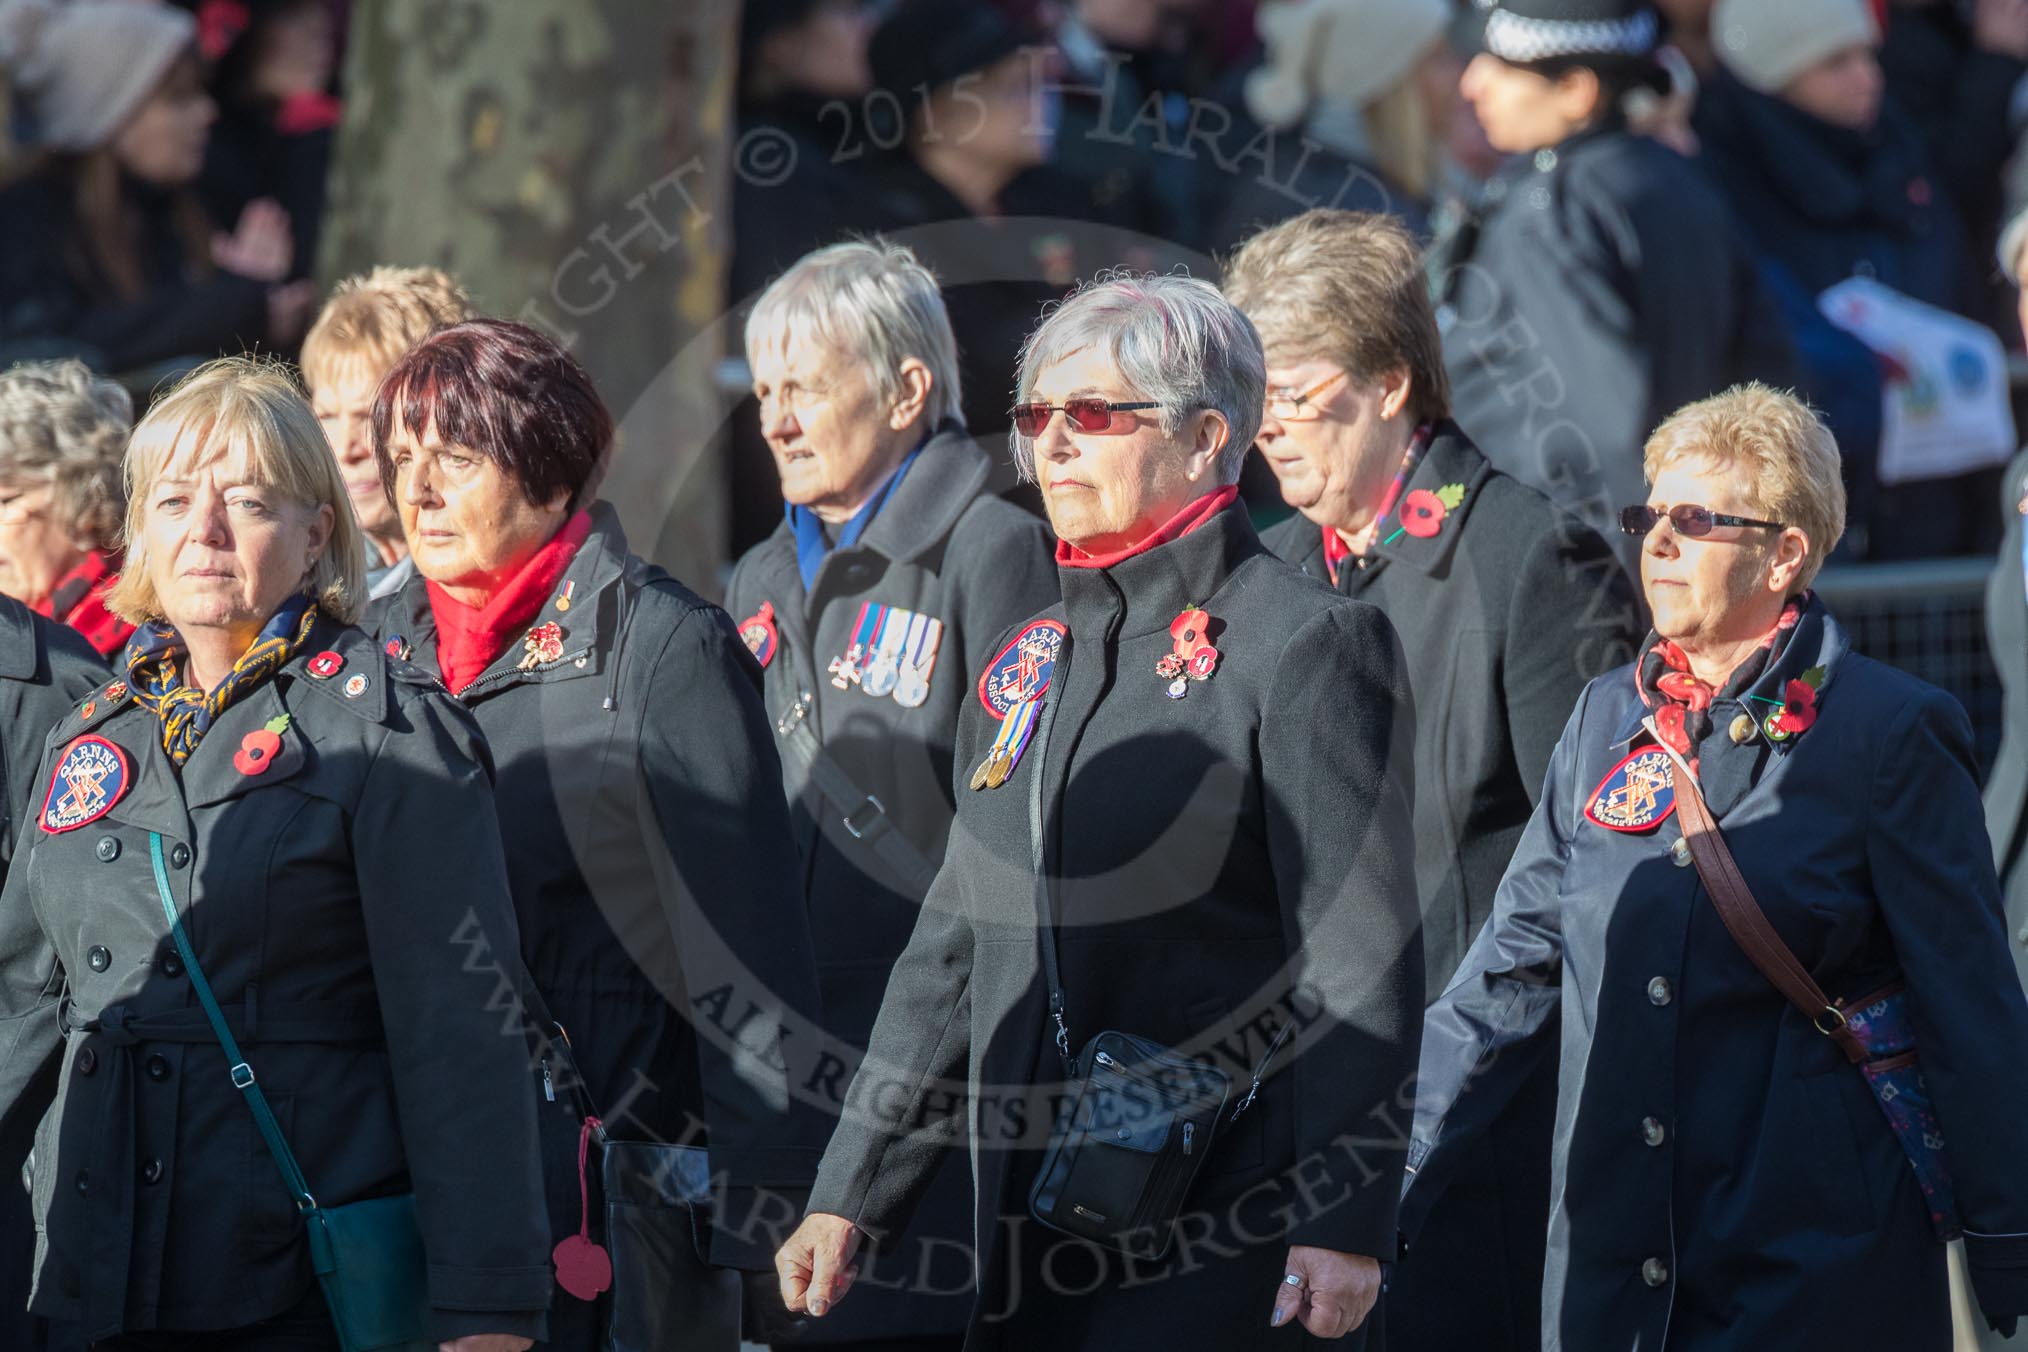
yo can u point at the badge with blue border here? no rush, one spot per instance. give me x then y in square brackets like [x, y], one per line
[1637, 794]
[91, 776]
[1022, 670]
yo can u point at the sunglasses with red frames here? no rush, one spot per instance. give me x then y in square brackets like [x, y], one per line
[1688, 519]
[1085, 413]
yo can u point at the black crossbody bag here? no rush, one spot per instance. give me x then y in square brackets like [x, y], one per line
[1139, 1118]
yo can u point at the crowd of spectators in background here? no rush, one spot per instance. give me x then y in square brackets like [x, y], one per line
[1814, 193]
[1020, 147]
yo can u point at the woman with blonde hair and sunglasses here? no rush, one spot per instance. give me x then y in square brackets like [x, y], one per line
[267, 814]
[1758, 902]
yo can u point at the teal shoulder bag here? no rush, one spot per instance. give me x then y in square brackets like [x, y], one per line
[368, 1256]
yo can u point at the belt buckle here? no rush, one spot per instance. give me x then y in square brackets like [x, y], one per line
[868, 819]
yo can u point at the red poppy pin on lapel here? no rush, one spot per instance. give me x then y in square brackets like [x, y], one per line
[544, 643]
[1423, 512]
[258, 749]
[1191, 656]
[1799, 707]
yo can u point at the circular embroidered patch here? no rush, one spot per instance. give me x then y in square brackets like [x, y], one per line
[1636, 794]
[91, 776]
[1023, 668]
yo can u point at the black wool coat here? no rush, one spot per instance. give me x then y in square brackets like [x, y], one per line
[653, 875]
[1601, 286]
[945, 549]
[1828, 203]
[1723, 1177]
[52, 304]
[45, 669]
[1207, 858]
[1505, 614]
[333, 899]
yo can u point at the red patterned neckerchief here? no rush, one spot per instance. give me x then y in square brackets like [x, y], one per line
[1336, 551]
[1681, 703]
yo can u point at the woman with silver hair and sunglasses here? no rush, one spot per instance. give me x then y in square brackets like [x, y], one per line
[1171, 957]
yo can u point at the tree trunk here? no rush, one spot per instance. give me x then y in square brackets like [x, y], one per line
[566, 160]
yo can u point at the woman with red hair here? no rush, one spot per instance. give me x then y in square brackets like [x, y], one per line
[639, 789]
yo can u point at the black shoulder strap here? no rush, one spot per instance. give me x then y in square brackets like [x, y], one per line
[863, 816]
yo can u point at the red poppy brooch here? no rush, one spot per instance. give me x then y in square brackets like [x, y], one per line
[544, 643]
[1191, 656]
[1423, 511]
[1799, 707]
[258, 749]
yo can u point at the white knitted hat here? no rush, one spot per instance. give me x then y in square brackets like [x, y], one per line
[1352, 51]
[1767, 43]
[83, 69]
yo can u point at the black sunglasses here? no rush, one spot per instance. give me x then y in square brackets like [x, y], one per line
[1687, 518]
[1087, 413]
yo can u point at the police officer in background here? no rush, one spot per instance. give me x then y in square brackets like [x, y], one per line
[871, 610]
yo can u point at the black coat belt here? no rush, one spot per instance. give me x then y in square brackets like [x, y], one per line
[108, 1220]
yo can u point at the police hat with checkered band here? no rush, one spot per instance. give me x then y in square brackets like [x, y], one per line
[1546, 30]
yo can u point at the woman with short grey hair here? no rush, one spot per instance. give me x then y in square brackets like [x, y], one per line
[872, 610]
[1178, 899]
[63, 435]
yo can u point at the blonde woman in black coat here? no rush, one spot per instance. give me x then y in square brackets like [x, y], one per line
[320, 816]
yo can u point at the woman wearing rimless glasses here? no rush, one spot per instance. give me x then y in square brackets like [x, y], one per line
[1506, 607]
[1204, 757]
[1731, 1168]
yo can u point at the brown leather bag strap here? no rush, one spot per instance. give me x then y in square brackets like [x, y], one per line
[1747, 923]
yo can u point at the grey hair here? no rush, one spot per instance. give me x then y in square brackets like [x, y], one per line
[1173, 339]
[61, 424]
[872, 301]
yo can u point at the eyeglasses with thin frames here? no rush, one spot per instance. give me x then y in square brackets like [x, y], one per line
[1297, 406]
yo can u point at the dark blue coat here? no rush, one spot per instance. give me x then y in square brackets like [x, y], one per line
[1723, 1178]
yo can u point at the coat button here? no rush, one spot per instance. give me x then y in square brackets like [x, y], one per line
[1679, 852]
[1743, 729]
[171, 965]
[98, 959]
[1660, 992]
[108, 849]
[158, 1068]
[84, 1180]
[151, 1172]
[87, 1061]
[1653, 1132]
[1655, 1272]
[179, 856]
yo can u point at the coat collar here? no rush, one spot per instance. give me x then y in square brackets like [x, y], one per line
[354, 649]
[1819, 641]
[946, 476]
[585, 609]
[21, 656]
[1145, 593]
[1450, 465]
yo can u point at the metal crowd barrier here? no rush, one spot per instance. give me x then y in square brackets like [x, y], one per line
[1927, 617]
